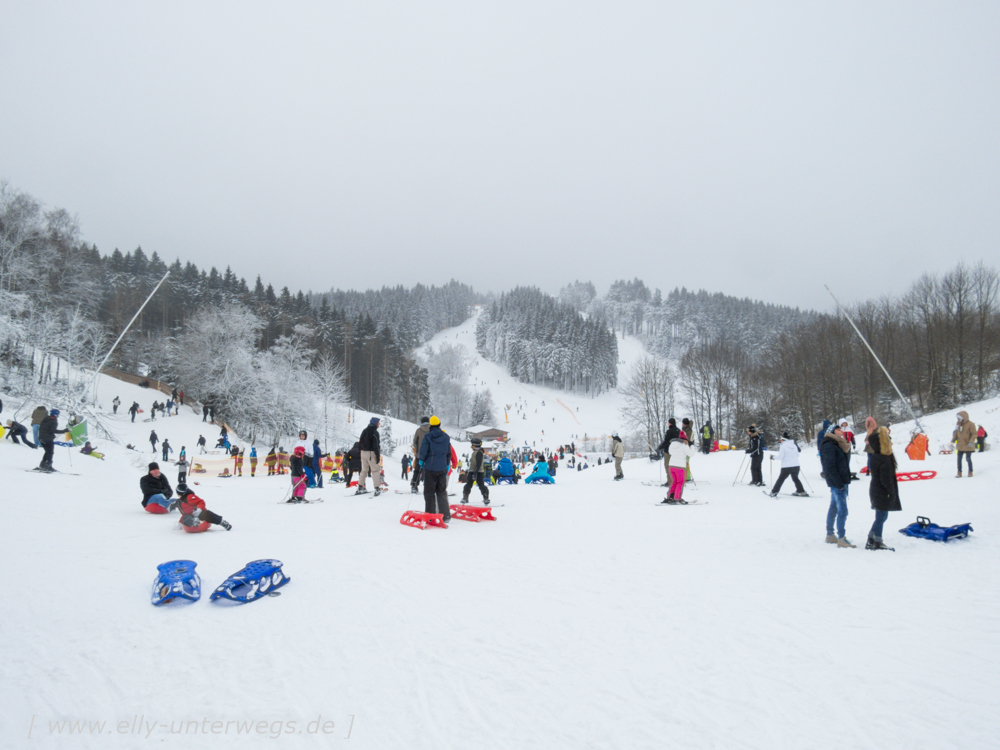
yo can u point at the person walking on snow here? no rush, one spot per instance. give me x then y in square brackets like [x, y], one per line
[371, 454]
[115, 404]
[707, 436]
[201, 444]
[788, 454]
[680, 452]
[317, 457]
[167, 450]
[153, 439]
[618, 453]
[981, 438]
[405, 463]
[965, 437]
[883, 490]
[475, 473]
[434, 458]
[134, 409]
[833, 452]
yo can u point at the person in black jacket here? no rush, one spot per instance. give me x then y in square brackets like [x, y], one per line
[153, 439]
[17, 430]
[756, 451]
[371, 454]
[299, 478]
[664, 447]
[156, 488]
[883, 490]
[474, 474]
[47, 431]
[833, 452]
[352, 462]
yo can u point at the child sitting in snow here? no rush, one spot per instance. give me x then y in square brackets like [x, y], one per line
[194, 515]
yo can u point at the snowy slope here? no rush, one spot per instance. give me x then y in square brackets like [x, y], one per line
[585, 617]
[564, 417]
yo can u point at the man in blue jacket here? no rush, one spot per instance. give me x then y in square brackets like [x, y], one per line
[434, 458]
[833, 452]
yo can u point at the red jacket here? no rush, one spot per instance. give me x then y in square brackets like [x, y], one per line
[191, 504]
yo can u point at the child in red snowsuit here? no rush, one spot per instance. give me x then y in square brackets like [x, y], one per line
[194, 515]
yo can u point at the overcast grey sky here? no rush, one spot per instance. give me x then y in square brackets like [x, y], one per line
[753, 148]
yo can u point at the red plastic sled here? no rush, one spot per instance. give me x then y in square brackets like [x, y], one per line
[907, 476]
[422, 520]
[475, 513]
[203, 526]
[156, 509]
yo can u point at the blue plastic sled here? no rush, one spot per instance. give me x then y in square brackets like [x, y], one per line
[924, 529]
[257, 578]
[177, 579]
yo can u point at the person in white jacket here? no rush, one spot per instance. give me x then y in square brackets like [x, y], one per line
[788, 454]
[680, 453]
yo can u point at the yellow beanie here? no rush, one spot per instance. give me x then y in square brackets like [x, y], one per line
[435, 421]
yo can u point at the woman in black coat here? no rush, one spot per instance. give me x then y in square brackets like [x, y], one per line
[883, 490]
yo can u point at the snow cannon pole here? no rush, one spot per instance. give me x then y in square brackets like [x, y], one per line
[868, 346]
[107, 356]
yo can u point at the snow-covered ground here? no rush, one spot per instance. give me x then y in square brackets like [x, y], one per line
[585, 617]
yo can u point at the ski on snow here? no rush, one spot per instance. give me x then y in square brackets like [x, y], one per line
[53, 471]
[689, 502]
[785, 494]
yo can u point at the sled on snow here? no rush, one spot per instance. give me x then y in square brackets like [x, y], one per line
[422, 520]
[256, 579]
[475, 513]
[177, 579]
[924, 529]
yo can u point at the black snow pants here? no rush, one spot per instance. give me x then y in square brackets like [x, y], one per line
[475, 478]
[793, 472]
[436, 493]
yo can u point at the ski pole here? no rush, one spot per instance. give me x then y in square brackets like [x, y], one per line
[737, 477]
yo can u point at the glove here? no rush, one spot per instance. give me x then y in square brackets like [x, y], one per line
[420, 463]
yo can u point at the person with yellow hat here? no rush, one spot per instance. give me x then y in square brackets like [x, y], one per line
[434, 458]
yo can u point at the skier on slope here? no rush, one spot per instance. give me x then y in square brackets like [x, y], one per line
[788, 454]
[475, 473]
[299, 477]
[756, 452]
[680, 452]
[47, 431]
[664, 447]
[618, 453]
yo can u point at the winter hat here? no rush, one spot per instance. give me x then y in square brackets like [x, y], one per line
[425, 420]
[153, 465]
[784, 436]
[299, 450]
[614, 434]
[316, 441]
[54, 413]
[183, 489]
[373, 422]
[434, 421]
[672, 421]
[870, 425]
[682, 436]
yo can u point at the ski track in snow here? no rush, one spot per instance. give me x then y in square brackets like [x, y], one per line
[583, 618]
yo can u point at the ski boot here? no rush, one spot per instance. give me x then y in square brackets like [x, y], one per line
[378, 491]
[361, 491]
[226, 525]
[413, 489]
[772, 494]
[486, 500]
[465, 499]
[800, 494]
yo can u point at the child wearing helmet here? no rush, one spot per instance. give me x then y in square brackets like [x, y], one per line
[195, 517]
[474, 475]
[297, 465]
